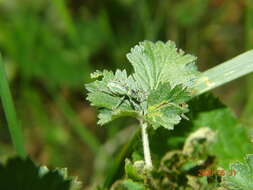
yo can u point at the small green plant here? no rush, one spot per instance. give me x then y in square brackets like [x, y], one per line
[243, 180]
[156, 93]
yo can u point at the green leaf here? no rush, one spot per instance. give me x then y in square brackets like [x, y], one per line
[110, 94]
[161, 62]
[164, 93]
[135, 171]
[232, 141]
[157, 90]
[106, 115]
[99, 84]
[104, 100]
[23, 174]
[128, 185]
[206, 111]
[243, 176]
[166, 104]
[74, 183]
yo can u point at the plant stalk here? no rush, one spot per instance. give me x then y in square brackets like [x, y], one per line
[145, 141]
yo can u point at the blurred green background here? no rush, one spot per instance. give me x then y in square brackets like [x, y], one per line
[51, 46]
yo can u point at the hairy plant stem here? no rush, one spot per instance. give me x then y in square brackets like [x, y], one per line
[145, 141]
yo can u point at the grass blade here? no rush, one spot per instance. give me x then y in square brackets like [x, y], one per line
[225, 72]
[9, 109]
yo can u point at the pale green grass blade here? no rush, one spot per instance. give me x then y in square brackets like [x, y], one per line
[9, 109]
[224, 73]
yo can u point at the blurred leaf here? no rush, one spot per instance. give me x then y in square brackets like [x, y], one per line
[230, 133]
[84, 133]
[44, 50]
[23, 174]
[188, 13]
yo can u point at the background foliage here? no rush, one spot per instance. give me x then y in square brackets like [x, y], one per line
[50, 47]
